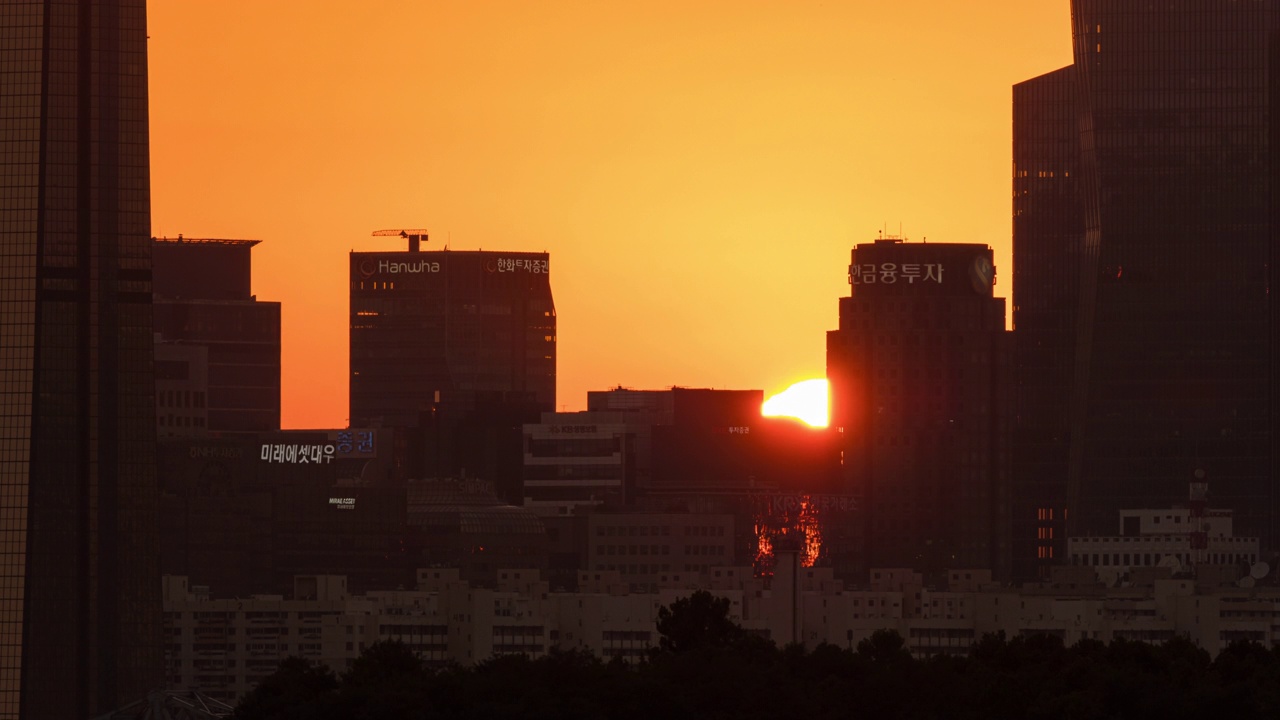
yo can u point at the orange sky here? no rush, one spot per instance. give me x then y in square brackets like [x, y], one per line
[698, 170]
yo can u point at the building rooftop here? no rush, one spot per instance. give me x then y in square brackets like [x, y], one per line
[205, 241]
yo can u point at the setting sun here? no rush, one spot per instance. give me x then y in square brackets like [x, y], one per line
[806, 401]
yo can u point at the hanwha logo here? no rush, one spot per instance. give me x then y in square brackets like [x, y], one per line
[491, 266]
[982, 274]
[367, 269]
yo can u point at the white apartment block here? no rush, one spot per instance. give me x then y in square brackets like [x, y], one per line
[1175, 538]
[224, 647]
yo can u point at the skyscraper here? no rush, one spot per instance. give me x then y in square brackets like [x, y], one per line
[460, 344]
[919, 399]
[449, 331]
[1145, 223]
[79, 581]
[207, 319]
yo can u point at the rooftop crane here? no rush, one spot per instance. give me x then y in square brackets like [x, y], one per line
[413, 236]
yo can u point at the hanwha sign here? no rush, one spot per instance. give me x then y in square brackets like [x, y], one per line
[369, 268]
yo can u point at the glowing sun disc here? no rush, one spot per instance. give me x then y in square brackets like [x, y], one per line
[806, 401]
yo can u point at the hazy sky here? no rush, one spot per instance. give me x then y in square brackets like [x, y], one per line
[698, 170]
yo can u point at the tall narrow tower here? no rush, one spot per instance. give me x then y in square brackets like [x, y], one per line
[79, 583]
[1144, 240]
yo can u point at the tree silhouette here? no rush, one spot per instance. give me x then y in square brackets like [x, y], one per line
[698, 621]
[297, 690]
[711, 668]
[884, 646]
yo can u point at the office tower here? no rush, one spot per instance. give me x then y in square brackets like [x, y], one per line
[449, 332]
[1144, 226]
[460, 344]
[1048, 228]
[79, 582]
[211, 328]
[919, 395]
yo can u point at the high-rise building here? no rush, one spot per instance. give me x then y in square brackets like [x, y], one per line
[450, 332]
[218, 346]
[1048, 227]
[460, 344]
[79, 579]
[919, 395]
[1145, 200]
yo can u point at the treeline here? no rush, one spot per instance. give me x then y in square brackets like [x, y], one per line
[707, 667]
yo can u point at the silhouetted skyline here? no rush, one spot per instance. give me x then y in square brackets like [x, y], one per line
[698, 173]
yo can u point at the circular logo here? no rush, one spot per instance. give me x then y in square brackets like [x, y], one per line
[982, 274]
[367, 268]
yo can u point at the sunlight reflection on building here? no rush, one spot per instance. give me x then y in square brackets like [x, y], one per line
[791, 520]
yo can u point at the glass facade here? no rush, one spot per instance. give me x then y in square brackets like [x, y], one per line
[1149, 267]
[1048, 227]
[79, 581]
[449, 329]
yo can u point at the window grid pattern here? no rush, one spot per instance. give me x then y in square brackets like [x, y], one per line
[80, 628]
[1174, 324]
[21, 42]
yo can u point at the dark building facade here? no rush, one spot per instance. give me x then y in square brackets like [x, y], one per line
[210, 327]
[1144, 230]
[694, 452]
[702, 439]
[919, 397]
[462, 346]
[80, 614]
[244, 513]
[1048, 227]
[450, 333]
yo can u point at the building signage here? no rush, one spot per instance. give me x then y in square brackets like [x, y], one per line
[740, 430]
[370, 267]
[221, 453]
[296, 454]
[353, 442]
[573, 429]
[506, 265]
[796, 503]
[982, 273]
[421, 266]
[890, 273]
[343, 503]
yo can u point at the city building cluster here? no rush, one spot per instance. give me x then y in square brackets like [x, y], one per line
[223, 648]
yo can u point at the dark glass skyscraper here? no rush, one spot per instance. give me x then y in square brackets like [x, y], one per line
[1144, 227]
[79, 582]
[461, 344]
[203, 303]
[450, 331]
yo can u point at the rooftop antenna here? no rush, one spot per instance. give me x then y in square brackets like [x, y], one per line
[414, 236]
